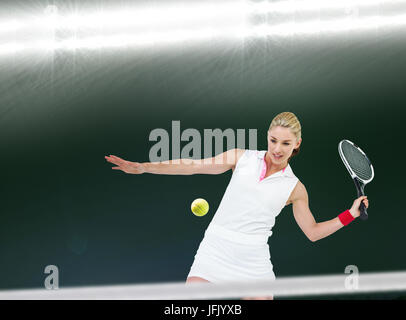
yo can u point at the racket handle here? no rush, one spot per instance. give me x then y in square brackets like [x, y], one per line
[363, 212]
[360, 192]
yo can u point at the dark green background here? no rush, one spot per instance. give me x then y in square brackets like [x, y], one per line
[59, 116]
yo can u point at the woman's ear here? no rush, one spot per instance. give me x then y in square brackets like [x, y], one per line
[298, 143]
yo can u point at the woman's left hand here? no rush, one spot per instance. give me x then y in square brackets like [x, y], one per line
[355, 212]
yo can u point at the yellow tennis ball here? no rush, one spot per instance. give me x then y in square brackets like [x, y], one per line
[200, 207]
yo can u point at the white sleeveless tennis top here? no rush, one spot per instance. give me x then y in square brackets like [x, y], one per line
[251, 202]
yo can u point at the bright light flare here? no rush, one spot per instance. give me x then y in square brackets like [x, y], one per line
[186, 15]
[324, 27]
[10, 26]
[296, 6]
[185, 22]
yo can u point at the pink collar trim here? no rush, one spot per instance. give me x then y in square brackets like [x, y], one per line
[264, 169]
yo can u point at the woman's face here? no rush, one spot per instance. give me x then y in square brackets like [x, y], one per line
[281, 143]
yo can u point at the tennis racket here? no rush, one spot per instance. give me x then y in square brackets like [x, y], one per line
[359, 167]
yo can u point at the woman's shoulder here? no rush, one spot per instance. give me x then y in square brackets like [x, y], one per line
[235, 153]
[299, 192]
[250, 153]
[239, 154]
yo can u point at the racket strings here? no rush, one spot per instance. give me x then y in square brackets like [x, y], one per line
[357, 161]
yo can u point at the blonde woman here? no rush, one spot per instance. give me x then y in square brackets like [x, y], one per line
[235, 245]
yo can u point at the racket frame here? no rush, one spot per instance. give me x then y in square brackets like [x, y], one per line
[359, 183]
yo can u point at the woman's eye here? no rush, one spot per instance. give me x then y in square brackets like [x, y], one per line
[285, 143]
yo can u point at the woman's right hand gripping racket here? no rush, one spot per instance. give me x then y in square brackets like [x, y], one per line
[359, 167]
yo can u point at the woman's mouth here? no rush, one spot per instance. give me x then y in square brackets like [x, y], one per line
[277, 157]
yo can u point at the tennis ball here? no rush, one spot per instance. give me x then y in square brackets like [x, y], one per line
[200, 207]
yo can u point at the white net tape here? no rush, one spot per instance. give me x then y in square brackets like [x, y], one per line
[282, 287]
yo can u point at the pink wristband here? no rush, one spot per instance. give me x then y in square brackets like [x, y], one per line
[346, 217]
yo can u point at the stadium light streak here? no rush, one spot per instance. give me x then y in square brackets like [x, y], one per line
[163, 16]
[281, 287]
[169, 25]
[334, 26]
[125, 40]
[294, 6]
[154, 17]
[201, 34]
[184, 14]
[10, 48]
[10, 26]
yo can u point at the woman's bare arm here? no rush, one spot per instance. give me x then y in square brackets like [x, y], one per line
[215, 165]
[304, 218]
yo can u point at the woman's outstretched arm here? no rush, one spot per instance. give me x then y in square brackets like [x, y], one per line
[215, 165]
[304, 218]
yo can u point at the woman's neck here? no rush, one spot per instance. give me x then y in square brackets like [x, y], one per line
[271, 167]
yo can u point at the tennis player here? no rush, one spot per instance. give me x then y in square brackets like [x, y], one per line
[235, 245]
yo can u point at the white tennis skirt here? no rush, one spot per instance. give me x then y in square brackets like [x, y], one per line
[228, 256]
